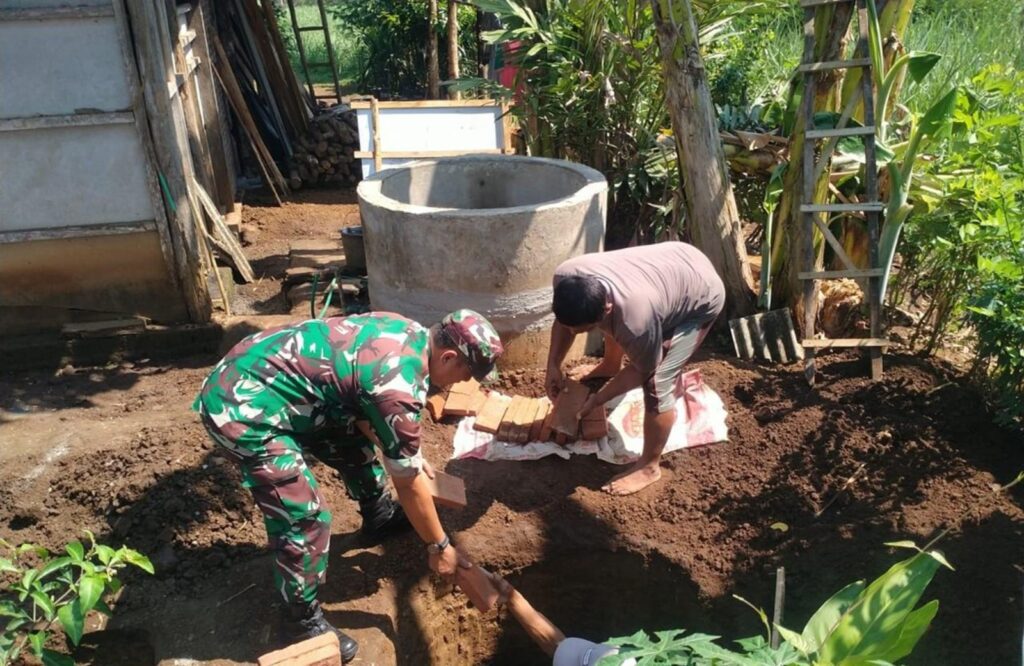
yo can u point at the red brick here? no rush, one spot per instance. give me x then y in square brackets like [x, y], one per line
[323, 650]
[447, 489]
[435, 405]
[567, 404]
[490, 416]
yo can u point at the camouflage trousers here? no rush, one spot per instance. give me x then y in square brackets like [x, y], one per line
[294, 510]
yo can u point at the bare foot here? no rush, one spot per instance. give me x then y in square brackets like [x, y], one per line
[633, 480]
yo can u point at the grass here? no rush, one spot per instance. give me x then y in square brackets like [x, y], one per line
[969, 34]
[349, 54]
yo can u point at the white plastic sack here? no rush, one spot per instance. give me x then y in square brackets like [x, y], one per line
[700, 419]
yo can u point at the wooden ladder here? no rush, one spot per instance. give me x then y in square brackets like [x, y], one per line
[811, 211]
[325, 27]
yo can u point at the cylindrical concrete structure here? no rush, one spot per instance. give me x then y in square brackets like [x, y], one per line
[480, 232]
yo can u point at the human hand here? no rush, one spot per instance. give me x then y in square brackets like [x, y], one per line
[428, 469]
[445, 562]
[553, 381]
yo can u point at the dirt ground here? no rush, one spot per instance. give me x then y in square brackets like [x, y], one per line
[116, 450]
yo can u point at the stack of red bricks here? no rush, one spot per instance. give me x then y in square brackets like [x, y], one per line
[519, 419]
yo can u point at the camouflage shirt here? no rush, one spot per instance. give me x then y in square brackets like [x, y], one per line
[300, 377]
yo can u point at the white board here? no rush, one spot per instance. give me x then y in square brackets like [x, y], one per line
[435, 128]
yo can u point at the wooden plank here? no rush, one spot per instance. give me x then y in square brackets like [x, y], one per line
[66, 120]
[447, 489]
[876, 206]
[837, 247]
[490, 416]
[164, 139]
[506, 130]
[226, 78]
[423, 104]
[108, 325]
[836, 275]
[378, 163]
[56, 13]
[223, 234]
[834, 64]
[871, 181]
[567, 404]
[815, 343]
[409, 154]
[285, 64]
[279, 92]
[217, 139]
[867, 130]
[266, 88]
[78, 231]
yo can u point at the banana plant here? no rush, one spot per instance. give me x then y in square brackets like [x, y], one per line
[898, 209]
[876, 623]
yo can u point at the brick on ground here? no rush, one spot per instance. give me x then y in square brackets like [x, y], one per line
[539, 418]
[463, 398]
[595, 424]
[322, 650]
[567, 405]
[546, 434]
[435, 405]
[491, 414]
[508, 420]
[524, 420]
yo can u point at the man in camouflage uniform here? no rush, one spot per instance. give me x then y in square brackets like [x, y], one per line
[334, 388]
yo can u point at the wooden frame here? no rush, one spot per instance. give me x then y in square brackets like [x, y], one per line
[66, 120]
[80, 231]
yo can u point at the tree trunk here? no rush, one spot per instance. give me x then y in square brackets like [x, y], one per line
[433, 77]
[453, 47]
[712, 218]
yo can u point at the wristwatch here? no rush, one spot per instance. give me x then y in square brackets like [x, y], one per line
[438, 548]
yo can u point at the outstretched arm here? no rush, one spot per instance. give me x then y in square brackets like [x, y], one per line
[538, 628]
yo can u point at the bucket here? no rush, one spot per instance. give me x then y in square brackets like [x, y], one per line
[355, 254]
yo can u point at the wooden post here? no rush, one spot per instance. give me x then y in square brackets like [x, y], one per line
[209, 104]
[780, 603]
[433, 77]
[874, 291]
[378, 161]
[453, 47]
[150, 29]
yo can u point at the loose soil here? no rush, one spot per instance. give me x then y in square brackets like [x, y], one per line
[116, 450]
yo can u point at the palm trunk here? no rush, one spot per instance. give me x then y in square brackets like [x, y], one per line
[713, 220]
[433, 77]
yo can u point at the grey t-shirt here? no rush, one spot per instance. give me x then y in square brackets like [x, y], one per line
[655, 289]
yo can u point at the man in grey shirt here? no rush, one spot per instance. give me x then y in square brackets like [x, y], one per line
[654, 304]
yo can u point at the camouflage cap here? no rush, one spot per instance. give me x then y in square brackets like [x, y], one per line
[474, 336]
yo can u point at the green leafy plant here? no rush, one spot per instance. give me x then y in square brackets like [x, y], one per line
[874, 623]
[40, 590]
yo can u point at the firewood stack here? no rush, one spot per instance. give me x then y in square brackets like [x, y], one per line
[519, 419]
[324, 155]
